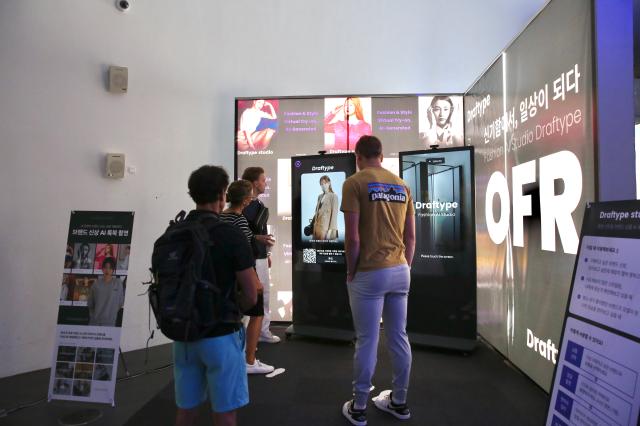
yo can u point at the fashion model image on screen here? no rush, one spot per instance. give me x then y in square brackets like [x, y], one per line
[322, 221]
[325, 219]
[258, 124]
[345, 122]
[84, 256]
[106, 296]
[104, 251]
[441, 127]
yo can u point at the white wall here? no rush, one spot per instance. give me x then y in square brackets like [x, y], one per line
[187, 61]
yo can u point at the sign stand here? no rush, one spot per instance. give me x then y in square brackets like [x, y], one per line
[597, 375]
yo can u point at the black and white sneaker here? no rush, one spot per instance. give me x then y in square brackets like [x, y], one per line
[355, 417]
[385, 403]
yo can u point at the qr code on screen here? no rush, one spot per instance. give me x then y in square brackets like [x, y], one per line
[309, 255]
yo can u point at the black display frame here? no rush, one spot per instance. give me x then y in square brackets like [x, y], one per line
[430, 325]
[319, 293]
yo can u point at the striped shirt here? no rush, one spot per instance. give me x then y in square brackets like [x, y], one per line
[239, 221]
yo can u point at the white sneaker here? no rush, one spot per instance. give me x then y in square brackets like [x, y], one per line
[269, 338]
[385, 403]
[259, 368]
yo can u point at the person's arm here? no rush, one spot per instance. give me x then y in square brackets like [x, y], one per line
[272, 114]
[248, 133]
[352, 242]
[431, 133]
[242, 223]
[409, 237]
[350, 206]
[264, 239]
[248, 283]
[121, 294]
[244, 266]
[333, 223]
[332, 118]
[91, 302]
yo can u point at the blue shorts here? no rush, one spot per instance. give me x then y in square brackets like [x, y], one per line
[215, 365]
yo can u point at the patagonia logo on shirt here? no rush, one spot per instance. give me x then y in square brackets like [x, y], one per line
[387, 192]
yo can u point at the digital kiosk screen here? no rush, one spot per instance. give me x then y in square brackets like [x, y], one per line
[318, 223]
[318, 233]
[443, 273]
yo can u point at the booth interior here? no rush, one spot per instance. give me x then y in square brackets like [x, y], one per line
[524, 297]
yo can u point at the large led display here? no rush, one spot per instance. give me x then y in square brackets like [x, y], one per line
[530, 119]
[269, 131]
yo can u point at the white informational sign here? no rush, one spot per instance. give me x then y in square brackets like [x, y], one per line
[92, 294]
[607, 284]
[597, 377]
[85, 363]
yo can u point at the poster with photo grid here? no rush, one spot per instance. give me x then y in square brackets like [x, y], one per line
[91, 301]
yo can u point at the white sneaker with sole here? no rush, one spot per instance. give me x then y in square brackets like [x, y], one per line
[259, 368]
[355, 417]
[269, 338]
[385, 403]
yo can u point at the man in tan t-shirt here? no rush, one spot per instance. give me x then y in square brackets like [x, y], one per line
[380, 242]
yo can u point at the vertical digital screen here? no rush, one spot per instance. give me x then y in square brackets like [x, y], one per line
[317, 195]
[269, 131]
[443, 275]
[319, 265]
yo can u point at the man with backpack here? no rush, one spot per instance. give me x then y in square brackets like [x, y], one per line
[209, 361]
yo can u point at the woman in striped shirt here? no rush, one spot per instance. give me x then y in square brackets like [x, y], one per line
[239, 195]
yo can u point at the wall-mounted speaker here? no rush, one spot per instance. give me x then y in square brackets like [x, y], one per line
[115, 166]
[118, 79]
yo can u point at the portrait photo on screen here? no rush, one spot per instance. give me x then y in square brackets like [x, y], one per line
[84, 255]
[441, 120]
[346, 120]
[257, 124]
[80, 285]
[66, 291]
[68, 257]
[123, 258]
[104, 251]
[321, 218]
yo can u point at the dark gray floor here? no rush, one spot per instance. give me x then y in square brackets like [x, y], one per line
[447, 388]
[131, 395]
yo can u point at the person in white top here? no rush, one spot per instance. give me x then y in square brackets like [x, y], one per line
[325, 220]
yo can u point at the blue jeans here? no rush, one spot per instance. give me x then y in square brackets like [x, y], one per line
[381, 293]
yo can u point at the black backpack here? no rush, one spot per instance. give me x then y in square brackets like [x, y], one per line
[184, 295]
